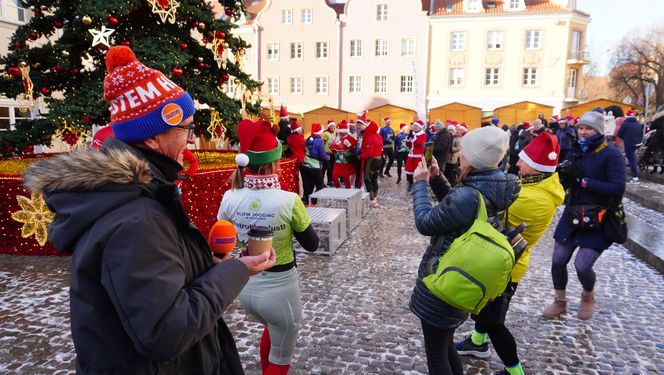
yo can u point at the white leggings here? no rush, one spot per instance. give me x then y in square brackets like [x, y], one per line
[273, 298]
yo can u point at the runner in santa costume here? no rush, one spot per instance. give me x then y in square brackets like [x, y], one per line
[416, 140]
[284, 129]
[372, 148]
[362, 123]
[295, 143]
[344, 148]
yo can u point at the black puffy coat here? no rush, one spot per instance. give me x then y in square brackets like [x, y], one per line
[450, 218]
[145, 295]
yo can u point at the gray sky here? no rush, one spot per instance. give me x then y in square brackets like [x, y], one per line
[612, 19]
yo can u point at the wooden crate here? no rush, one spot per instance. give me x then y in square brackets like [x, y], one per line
[330, 226]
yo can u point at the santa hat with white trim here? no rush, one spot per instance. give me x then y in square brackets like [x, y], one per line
[343, 127]
[258, 143]
[542, 153]
[419, 123]
[283, 113]
[316, 128]
[362, 118]
[295, 127]
[331, 123]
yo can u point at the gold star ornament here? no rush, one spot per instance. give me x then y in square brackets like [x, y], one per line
[35, 216]
[101, 36]
[166, 9]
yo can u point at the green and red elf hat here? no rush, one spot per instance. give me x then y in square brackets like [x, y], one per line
[258, 143]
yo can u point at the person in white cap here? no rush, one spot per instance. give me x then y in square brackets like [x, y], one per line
[541, 192]
[481, 152]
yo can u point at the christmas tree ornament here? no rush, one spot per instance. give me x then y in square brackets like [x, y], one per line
[36, 66]
[32, 35]
[14, 71]
[200, 59]
[228, 11]
[201, 65]
[58, 24]
[220, 35]
[25, 99]
[165, 9]
[87, 21]
[101, 36]
[35, 217]
[18, 45]
[201, 26]
[238, 5]
[112, 21]
[64, 54]
[126, 43]
[46, 91]
[216, 128]
[225, 77]
[183, 46]
[73, 71]
[176, 72]
[218, 51]
[59, 69]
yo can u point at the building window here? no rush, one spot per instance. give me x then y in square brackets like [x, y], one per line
[296, 50]
[458, 41]
[492, 77]
[355, 84]
[15, 10]
[306, 16]
[515, 4]
[408, 47]
[273, 51]
[494, 40]
[287, 16]
[296, 85]
[356, 48]
[456, 77]
[533, 39]
[530, 76]
[473, 5]
[273, 86]
[230, 87]
[321, 50]
[381, 47]
[9, 116]
[406, 84]
[321, 85]
[380, 84]
[381, 12]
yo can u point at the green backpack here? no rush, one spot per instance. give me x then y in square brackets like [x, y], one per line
[476, 267]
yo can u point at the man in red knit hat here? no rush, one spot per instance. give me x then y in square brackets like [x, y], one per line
[146, 294]
[344, 148]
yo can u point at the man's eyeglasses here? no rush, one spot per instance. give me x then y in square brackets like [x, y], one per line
[191, 129]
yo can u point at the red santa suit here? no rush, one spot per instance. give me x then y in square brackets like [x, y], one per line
[416, 144]
[344, 151]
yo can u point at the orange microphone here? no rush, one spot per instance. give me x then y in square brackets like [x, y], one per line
[222, 238]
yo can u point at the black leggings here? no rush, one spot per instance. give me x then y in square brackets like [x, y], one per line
[401, 161]
[491, 320]
[371, 168]
[442, 357]
[311, 178]
[388, 156]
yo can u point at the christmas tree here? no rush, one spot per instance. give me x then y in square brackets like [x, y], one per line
[181, 38]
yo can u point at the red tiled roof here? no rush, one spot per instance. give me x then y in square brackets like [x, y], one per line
[440, 7]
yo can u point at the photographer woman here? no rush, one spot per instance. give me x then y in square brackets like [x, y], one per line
[595, 178]
[481, 151]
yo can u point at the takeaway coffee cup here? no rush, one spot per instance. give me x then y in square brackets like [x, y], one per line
[260, 240]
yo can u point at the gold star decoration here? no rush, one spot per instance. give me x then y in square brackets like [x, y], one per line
[25, 99]
[71, 137]
[35, 216]
[216, 122]
[166, 9]
[101, 36]
[218, 50]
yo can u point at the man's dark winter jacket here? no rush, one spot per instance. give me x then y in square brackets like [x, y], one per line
[145, 296]
[631, 132]
[454, 214]
[442, 145]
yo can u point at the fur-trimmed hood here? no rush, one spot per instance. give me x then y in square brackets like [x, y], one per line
[87, 170]
[83, 186]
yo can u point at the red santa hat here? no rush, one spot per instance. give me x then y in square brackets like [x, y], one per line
[258, 144]
[542, 153]
[419, 123]
[362, 118]
[553, 118]
[631, 113]
[331, 123]
[462, 129]
[526, 125]
[283, 113]
[316, 128]
[387, 119]
[295, 127]
[343, 127]
[401, 126]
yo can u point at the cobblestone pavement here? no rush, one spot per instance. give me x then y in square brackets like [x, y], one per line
[356, 319]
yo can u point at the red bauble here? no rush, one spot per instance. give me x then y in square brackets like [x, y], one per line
[18, 45]
[225, 77]
[112, 21]
[176, 72]
[46, 91]
[220, 35]
[9, 149]
[183, 46]
[87, 119]
[228, 11]
[32, 35]
[28, 149]
[194, 25]
[59, 69]
[126, 43]
[15, 71]
[58, 24]
[73, 71]
[200, 65]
